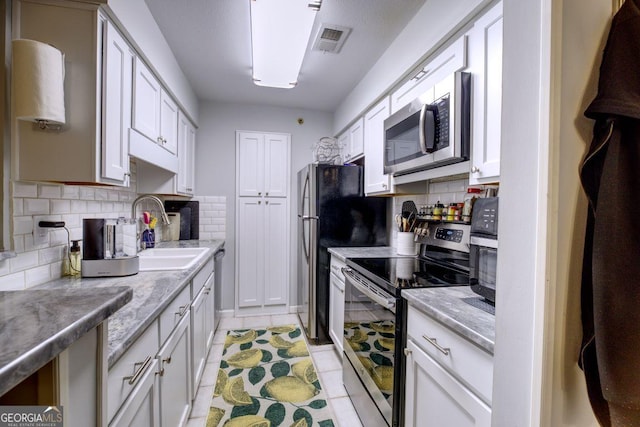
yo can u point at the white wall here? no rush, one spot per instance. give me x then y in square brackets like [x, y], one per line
[216, 163]
[424, 34]
[580, 38]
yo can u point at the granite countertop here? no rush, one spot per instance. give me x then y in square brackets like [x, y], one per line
[37, 325]
[365, 252]
[447, 306]
[152, 292]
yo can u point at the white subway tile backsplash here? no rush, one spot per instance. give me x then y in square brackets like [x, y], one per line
[18, 207]
[49, 255]
[25, 189]
[22, 225]
[12, 282]
[46, 191]
[37, 276]
[36, 206]
[94, 207]
[70, 192]
[60, 206]
[24, 261]
[79, 206]
[87, 193]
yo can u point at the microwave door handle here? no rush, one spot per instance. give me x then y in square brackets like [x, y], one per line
[428, 121]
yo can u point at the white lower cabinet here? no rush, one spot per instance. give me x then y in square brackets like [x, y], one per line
[336, 304]
[448, 378]
[142, 408]
[199, 345]
[155, 381]
[174, 376]
[435, 398]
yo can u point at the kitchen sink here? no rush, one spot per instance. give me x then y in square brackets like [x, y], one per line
[158, 259]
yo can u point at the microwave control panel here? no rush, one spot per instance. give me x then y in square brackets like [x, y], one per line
[449, 235]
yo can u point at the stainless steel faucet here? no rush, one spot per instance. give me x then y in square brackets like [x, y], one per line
[163, 213]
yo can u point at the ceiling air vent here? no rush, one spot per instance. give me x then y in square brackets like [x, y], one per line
[330, 38]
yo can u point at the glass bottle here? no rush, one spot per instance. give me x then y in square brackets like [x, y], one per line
[75, 258]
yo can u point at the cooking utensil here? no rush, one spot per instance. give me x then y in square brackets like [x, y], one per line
[399, 221]
[410, 207]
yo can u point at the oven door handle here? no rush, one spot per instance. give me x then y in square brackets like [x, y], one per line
[371, 291]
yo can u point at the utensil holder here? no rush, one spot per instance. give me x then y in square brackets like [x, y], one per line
[405, 243]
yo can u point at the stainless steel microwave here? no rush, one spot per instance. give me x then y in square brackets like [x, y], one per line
[433, 130]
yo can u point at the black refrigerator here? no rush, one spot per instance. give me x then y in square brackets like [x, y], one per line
[332, 212]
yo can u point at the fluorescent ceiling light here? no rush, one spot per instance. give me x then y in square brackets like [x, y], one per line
[280, 31]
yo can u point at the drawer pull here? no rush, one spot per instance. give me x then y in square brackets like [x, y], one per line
[182, 310]
[434, 343]
[167, 361]
[142, 366]
[407, 352]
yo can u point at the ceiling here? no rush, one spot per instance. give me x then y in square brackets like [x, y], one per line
[212, 43]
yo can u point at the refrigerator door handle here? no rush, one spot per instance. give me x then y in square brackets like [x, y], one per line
[308, 217]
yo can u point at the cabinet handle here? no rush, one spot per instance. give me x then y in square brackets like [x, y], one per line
[266, 194]
[384, 186]
[182, 310]
[167, 360]
[475, 169]
[159, 140]
[266, 203]
[142, 366]
[189, 189]
[341, 291]
[259, 193]
[407, 352]
[434, 343]
[259, 202]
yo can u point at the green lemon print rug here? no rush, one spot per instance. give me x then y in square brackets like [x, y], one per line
[267, 379]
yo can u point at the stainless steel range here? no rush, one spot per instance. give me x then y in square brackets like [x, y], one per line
[375, 318]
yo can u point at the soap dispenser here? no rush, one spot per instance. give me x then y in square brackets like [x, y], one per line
[75, 258]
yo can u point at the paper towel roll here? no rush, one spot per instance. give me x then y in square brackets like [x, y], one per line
[38, 81]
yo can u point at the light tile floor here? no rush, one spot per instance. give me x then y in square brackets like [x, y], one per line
[325, 358]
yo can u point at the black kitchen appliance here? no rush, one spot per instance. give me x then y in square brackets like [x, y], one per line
[483, 252]
[104, 249]
[332, 212]
[375, 317]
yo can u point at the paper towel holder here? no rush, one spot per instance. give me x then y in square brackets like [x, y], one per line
[38, 84]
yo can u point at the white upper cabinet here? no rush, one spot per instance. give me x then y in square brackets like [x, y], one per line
[263, 170]
[168, 122]
[155, 113]
[92, 147]
[485, 64]
[146, 102]
[353, 141]
[186, 155]
[117, 84]
[375, 180]
[451, 59]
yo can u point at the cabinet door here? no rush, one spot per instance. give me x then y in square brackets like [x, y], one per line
[434, 398]
[276, 158]
[343, 143]
[117, 92]
[186, 155]
[276, 271]
[250, 231]
[450, 60]
[356, 140]
[175, 378]
[210, 320]
[336, 311]
[141, 409]
[168, 122]
[375, 180]
[250, 154]
[485, 51]
[146, 102]
[198, 338]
